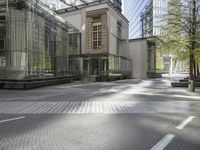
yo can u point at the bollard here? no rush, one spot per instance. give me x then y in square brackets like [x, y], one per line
[191, 85]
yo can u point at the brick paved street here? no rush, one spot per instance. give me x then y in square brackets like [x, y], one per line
[120, 115]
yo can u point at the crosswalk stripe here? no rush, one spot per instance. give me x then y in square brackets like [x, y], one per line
[87, 107]
[77, 107]
[58, 107]
[21, 107]
[63, 109]
[40, 109]
[49, 107]
[54, 106]
[30, 108]
[68, 107]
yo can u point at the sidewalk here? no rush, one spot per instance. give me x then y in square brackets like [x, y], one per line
[177, 77]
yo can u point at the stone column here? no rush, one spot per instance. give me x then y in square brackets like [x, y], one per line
[88, 37]
[104, 21]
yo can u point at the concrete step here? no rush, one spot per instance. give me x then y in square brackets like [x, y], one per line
[89, 79]
[186, 80]
[153, 75]
[32, 84]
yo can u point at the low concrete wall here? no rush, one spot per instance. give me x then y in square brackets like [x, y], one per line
[32, 84]
[138, 54]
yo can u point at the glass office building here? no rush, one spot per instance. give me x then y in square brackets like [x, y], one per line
[132, 10]
[152, 18]
[35, 43]
[144, 16]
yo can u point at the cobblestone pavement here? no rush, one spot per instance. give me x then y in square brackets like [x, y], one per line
[120, 115]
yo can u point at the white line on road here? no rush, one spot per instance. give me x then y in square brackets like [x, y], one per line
[185, 122]
[164, 142]
[10, 99]
[12, 119]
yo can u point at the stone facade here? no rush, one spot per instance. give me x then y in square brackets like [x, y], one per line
[104, 52]
[104, 33]
[90, 18]
[88, 36]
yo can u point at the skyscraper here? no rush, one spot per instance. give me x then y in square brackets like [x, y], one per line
[145, 16]
[152, 18]
[132, 10]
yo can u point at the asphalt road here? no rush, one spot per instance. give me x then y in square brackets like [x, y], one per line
[120, 115]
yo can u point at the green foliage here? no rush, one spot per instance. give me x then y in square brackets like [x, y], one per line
[180, 35]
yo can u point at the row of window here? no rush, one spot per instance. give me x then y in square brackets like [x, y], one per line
[97, 36]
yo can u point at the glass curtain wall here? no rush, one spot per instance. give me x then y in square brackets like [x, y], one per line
[34, 41]
[74, 51]
[119, 65]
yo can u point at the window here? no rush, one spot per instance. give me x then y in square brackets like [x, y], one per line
[2, 19]
[2, 44]
[2, 59]
[96, 36]
[73, 43]
[2, 32]
[119, 34]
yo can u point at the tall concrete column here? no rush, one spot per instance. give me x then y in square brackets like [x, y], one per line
[88, 39]
[104, 21]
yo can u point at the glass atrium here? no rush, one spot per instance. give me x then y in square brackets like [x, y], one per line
[35, 43]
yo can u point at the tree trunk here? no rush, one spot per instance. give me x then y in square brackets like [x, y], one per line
[197, 70]
[191, 74]
[192, 35]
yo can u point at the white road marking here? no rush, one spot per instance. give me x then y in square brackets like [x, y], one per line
[10, 99]
[164, 142]
[185, 122]
[58, 107]
[25, 97]
[33, 97]
[69, 104]
[94, 107]
[12, 119]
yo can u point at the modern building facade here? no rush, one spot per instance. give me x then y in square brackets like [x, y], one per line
[152, 18]
[104, 49]
[145, 17]
[132, 10]
[35, 44]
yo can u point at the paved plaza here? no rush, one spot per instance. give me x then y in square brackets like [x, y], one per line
[118, 115]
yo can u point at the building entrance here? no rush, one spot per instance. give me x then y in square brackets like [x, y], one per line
[95, 66]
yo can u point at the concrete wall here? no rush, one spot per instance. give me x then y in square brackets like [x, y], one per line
[138, 53]
[112, 34]
[113, 19]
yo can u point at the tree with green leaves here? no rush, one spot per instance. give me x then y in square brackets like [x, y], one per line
[181, 33]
